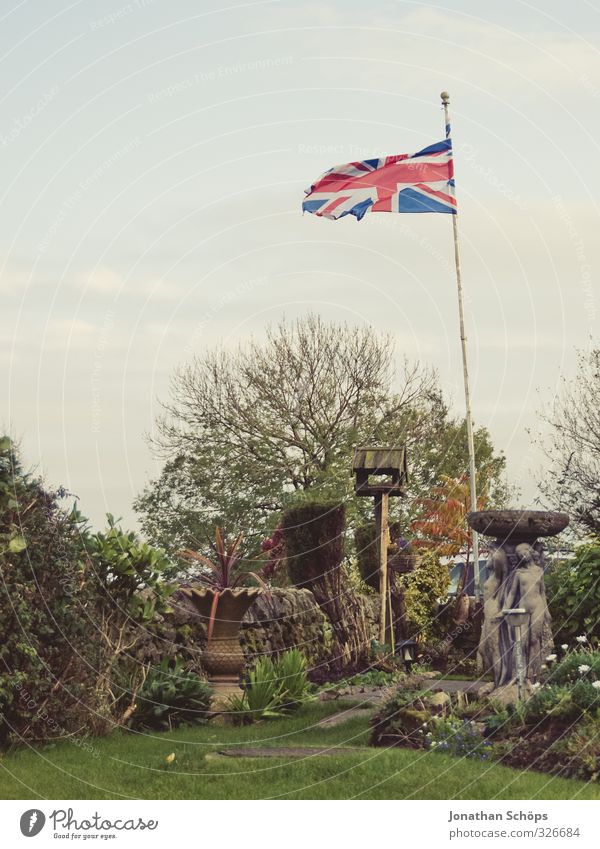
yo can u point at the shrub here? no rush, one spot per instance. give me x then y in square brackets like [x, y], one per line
[423, 589]
[366, 552]
[550, 702]
[314, 542]
[573, 591]
[567, 671]
[48, 654]
[124, 566]
[170, 697]
[579, 753]
[400, 719]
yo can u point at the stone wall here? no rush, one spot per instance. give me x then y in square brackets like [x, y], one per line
[290, 618]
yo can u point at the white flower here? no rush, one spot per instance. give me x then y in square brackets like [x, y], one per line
[536, 686]
[596, 685]
[543, 666]
[564, 646]
[551, 658]
[581, 639]
[583, 668]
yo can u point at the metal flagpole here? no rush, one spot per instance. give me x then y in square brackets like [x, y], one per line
[463, 341]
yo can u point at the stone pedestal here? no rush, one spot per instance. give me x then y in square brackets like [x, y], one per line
[515, 580]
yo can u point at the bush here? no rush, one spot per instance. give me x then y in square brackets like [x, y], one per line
[314, 541]
[573, 592]
[123, 567]
[366, 552]
[170, 697]
[579, 753]
[423, 589]
[401, 719]
[567, 671]
[48, 650]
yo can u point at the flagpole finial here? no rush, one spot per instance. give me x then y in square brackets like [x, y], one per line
[445, 97]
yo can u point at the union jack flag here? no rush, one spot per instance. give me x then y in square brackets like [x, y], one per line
[408, 182]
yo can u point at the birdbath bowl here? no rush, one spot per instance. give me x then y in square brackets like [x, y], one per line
[518, 524]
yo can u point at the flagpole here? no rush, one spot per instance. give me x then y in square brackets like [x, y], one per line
[463, 341]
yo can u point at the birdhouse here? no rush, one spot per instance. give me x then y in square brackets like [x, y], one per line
[380, 471]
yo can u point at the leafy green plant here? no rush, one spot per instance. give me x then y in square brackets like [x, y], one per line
[579, 752]
[573, 592]
[272, 688]
[550, 702]
[169, 697]
[500, 720]
[576, 666]
[48, 612]
[226, 570]
[401, 718]
[124, 566]
[263, 695]
[423, 589]
[291, 669]
[371, 678]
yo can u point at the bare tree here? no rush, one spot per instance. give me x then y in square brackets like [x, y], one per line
[574, 448]
[246, 429]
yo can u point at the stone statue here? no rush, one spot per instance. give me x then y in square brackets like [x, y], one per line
[515, 580]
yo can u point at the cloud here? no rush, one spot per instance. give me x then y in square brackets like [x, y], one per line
[104, 280]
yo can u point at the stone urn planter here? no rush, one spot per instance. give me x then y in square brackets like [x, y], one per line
[222, 658]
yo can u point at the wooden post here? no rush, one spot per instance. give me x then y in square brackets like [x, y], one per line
[381, 524]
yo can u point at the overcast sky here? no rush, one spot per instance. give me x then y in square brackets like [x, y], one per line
[154, 156]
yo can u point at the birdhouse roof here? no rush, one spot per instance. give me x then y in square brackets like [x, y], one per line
[382, 461]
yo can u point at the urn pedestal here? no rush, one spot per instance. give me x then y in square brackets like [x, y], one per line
[223, 658]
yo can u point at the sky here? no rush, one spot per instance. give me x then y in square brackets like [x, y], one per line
[155, 156]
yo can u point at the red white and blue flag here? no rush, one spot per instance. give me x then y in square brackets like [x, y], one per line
[409, 182]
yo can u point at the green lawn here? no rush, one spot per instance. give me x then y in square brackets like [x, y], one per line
[133, 766]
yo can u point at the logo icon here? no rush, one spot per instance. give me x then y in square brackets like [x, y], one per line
[32, 822]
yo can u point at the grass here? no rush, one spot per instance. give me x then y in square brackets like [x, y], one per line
[127, 765]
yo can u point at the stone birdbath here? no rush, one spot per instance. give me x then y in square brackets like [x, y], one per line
[515, 582]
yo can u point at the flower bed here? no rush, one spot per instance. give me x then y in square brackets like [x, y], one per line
[556, 730]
